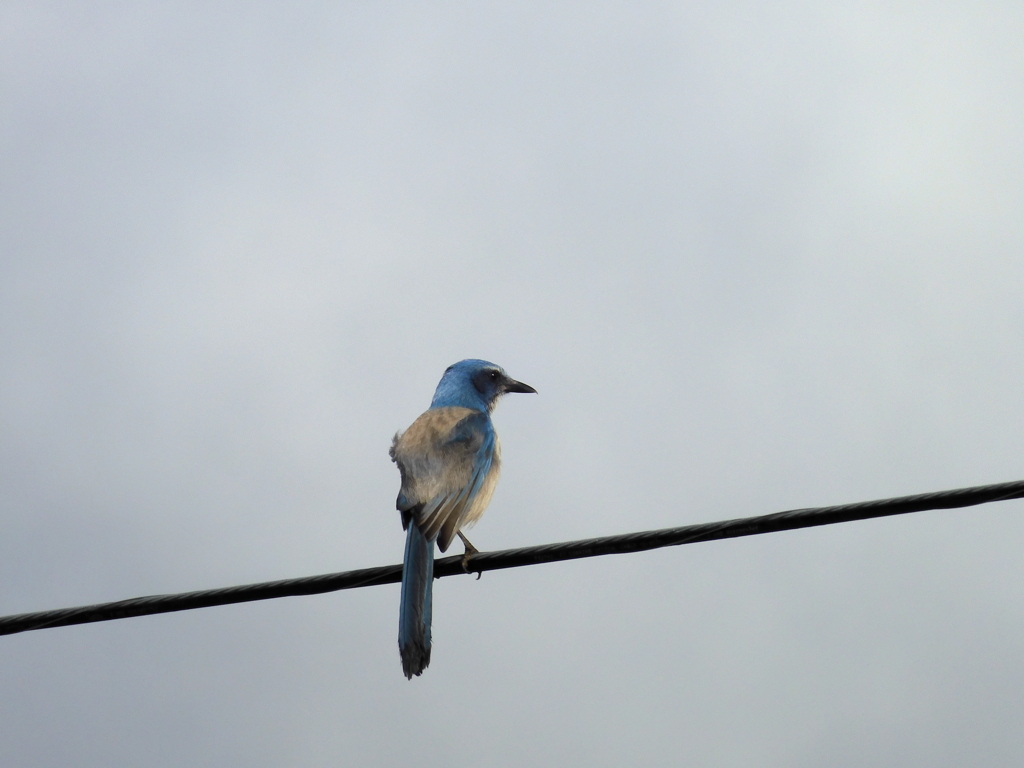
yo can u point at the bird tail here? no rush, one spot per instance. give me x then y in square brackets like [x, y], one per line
[414, 615]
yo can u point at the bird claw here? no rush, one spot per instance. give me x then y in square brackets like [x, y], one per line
[470, 551]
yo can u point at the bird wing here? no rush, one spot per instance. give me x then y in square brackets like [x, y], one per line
[449, 462]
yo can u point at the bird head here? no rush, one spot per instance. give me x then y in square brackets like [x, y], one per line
[475, 384]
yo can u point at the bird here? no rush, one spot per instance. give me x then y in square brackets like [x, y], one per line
[449, 459]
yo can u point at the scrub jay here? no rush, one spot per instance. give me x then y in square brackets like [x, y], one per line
[449, 459]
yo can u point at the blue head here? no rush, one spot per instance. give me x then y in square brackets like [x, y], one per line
[475, 384]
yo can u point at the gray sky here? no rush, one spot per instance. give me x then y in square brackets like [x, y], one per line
[753, 258]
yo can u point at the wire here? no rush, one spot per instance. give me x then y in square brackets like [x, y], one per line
[515, 558]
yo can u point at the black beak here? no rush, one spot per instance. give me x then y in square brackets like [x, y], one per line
[511, 385]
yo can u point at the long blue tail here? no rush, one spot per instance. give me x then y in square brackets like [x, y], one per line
[414, 615]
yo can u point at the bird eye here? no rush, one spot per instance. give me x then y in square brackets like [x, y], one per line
[493, 375]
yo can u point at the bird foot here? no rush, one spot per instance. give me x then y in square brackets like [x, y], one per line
[470, 551]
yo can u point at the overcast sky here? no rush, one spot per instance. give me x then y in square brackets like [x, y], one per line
[753, 257]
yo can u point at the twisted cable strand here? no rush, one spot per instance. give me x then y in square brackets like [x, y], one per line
[515, 558]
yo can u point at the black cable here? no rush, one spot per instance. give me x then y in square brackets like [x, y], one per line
[514, 558]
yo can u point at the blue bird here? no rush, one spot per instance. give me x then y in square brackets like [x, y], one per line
[449, 459]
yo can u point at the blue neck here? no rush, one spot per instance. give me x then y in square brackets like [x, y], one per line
[458, 393]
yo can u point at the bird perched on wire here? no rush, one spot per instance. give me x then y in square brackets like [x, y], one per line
[449, 459]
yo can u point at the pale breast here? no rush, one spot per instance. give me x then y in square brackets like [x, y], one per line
[476, 509]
